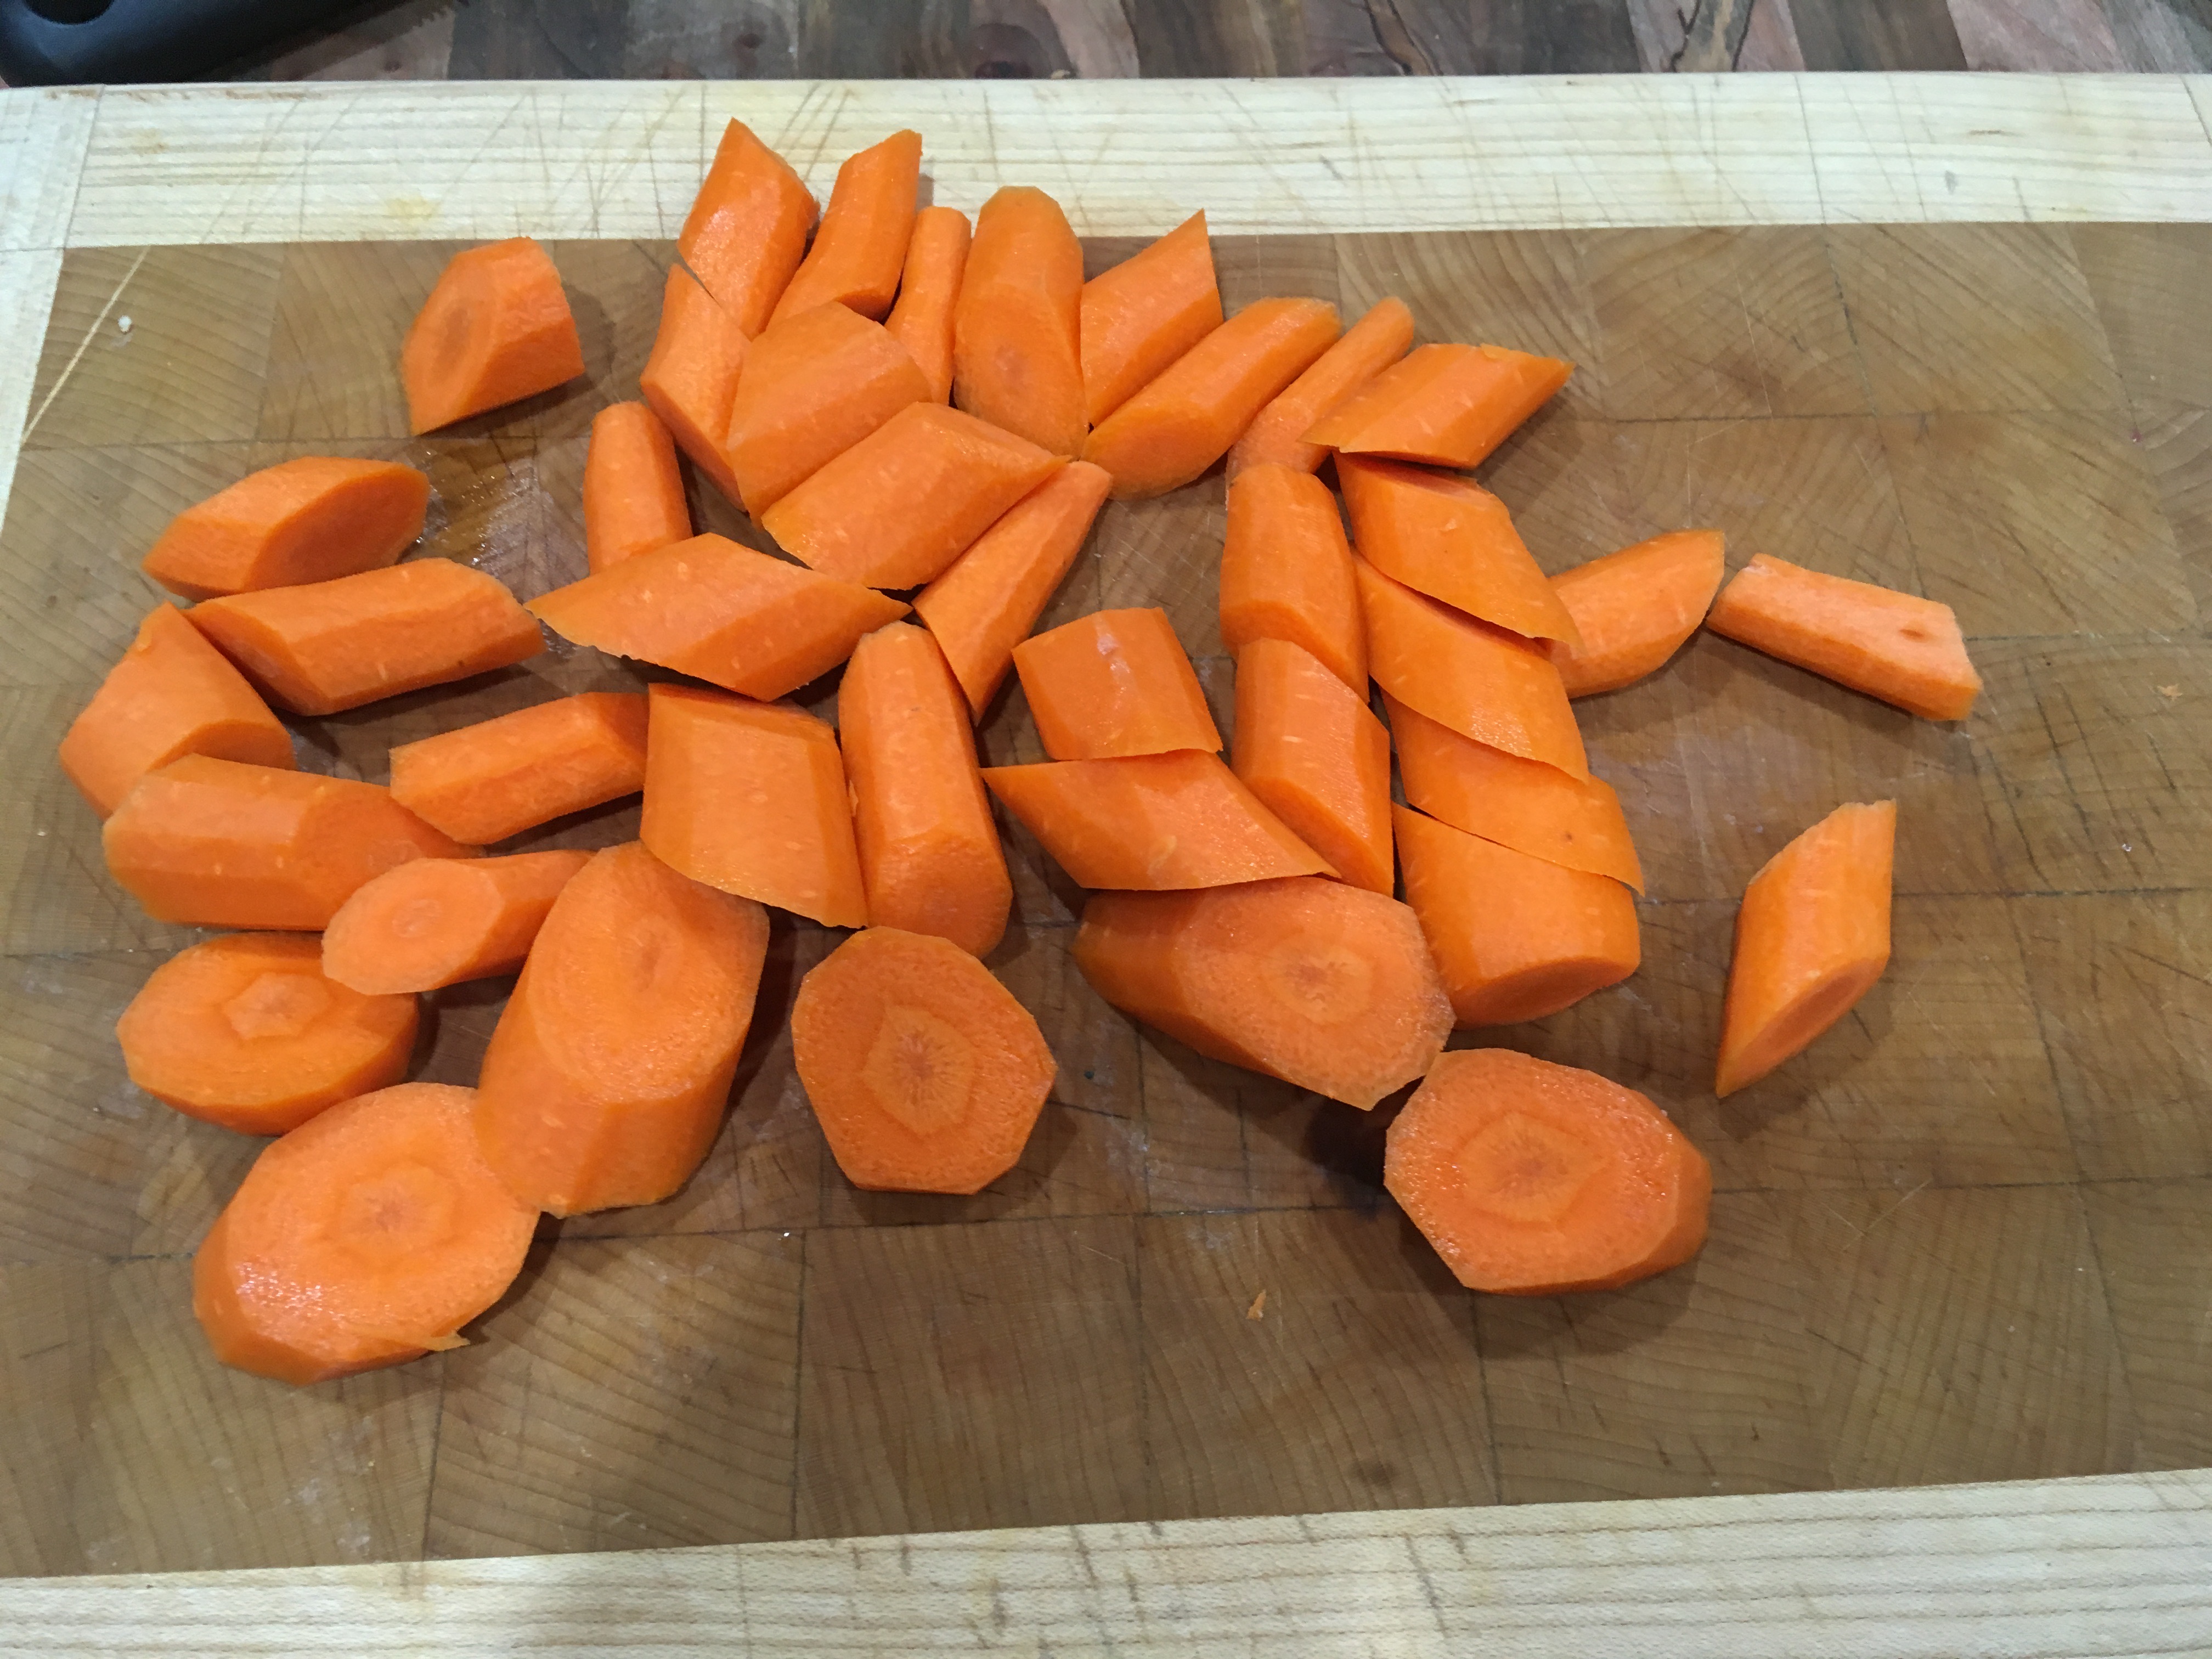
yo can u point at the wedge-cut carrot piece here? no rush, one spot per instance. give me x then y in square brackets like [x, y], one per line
[747, 233]
[1114, 683]
[1325, 985]
[985, 605]
[1183, 421]
[1533, 1179]
[1811, 939]
[366, 1237]
[633, 488]
[1484, 682]
[1286, 571]
[1634, 608]
[1515, 937]
[898, 507]
[1144, 313]
[331, 645]
[482, 783]
[923, 1072]
[691, 379]
[751, 797]
[497, 329]
[1309, 746]
[1448, 406]
[1452, 540]
[930, 858]
[1904, 649]
[709, 608]
[929, 289]
[305, 520]
[216, 843]
[171, 694]
[245, 1030]
[861, 242]
[433, 922]
[1523, 804]
[1151, 822]
[816, 384]
[1015, 361]
[1277, 435]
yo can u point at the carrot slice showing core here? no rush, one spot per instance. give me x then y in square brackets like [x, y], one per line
[495, 329]
[433, 922]
[304, 520]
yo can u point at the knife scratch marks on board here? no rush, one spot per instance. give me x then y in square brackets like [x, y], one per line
[77, 356]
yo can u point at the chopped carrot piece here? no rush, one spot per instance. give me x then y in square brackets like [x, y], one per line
[633, 488]
[747, 233]
[245, 1030]
[1325, 985]
[1533, 1179]
[691, 379]
[1634, 608]
[816, 384]
[1286, 571]
[1146, 312]
[497, 329]
[1114, 683]
[1811, 939]
[860, 244]
[1309, 746]
[1277, 435]
[1015, 361]
[304, 520]
[433, 922]
[484, 782]
[1448, 405]
[929, 289]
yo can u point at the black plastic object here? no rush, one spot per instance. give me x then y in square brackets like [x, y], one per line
[51, 43]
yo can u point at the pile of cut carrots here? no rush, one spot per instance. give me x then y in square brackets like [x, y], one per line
[926, 416]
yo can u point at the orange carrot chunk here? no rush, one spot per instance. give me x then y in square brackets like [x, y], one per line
[747, 233]
[930, 858]
[923, 1072]
[1150, 821]
[1533, 1179]
[305, 520]
[172, 694]
[1515, 937]
[1811, 939]
[495, 329]
[1484, 682]
[1634, 608]
[1452, 540]
[216, 843]
[1523, 804]
[1015, 361]
[433, 922]
[1183, 421]
[245, 1030]
[331, 645]
[929, 289]
[1309, 746]
[898, 507]
[1325, 985]
[816, 384]
[604, 1080]
[986, 604]
[366, 1237]
[1448, 405]
[1286, 571]
[751, 797]
[1146, 312]
[1114, 683]
[633, 488]
[862, 239]
[709, 608]
[1905, 650]
[690, 380]
[484, 782]
[1277, 435]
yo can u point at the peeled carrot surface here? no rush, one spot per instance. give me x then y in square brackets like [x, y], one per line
[433, 922]
[861, 242]
[929, 289]
[986, 604]
[495, 329]
[304, 520]
[745, 621]
[751, 797]
[1516, 938]
[171, 694]
[746, 232]
[1114, 683]
[1533, 1179]
[1140, 316]
[1634, 608]
[1448, 406]
[633, 488]
[1015, 328]
[1185, 420]
[605, 1077]
[1286, 571]
[1308, 745]
[816, 384]
[691, 379]
[482, 783]
[1325, 985]
[1905, 650]
[245, 1030]
[1277, 436]
[1811, 939]
[215, 843]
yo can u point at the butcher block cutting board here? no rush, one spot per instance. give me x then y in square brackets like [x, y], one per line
[1966, 1238]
